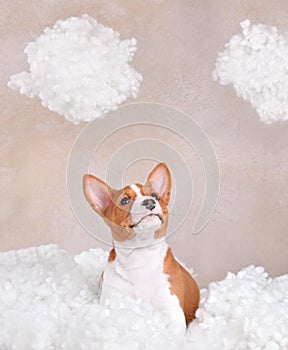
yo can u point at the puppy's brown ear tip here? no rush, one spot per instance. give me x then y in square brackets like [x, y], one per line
[164, 165]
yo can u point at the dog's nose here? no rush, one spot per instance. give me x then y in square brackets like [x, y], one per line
[149, 203]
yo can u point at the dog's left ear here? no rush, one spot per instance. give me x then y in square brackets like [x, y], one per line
[97, 193]
[160, 180]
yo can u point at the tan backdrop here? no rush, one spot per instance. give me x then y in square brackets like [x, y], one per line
[177, 45]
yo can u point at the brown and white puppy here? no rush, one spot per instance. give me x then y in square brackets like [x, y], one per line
[141, 264]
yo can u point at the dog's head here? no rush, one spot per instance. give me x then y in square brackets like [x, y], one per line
[136, 213]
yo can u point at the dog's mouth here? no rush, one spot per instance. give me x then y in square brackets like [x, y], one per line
[145, 217]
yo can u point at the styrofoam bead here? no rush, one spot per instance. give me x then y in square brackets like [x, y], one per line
[271, 345]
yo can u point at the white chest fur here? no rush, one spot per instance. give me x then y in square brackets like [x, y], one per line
[139, 274]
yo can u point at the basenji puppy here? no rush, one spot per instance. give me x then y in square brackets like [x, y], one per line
[141, 264]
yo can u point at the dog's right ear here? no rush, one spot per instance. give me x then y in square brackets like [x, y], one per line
[97, 193]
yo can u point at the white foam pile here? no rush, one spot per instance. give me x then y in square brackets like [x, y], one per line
[48, 300]
[255, 62]
[79, 69]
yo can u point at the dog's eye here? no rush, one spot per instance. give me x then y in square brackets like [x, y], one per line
[155, 196]
[125, 200]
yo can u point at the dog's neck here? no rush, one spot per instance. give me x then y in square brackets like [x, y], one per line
[133, 258]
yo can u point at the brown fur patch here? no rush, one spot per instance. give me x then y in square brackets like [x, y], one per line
[112, 255]
[118, 217]
[130, 193]
[183, 286]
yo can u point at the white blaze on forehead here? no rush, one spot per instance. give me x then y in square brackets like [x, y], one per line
[145, 224]
[136, 189]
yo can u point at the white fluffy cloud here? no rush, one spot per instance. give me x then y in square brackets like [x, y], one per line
[48, 300]
[255, 62]
[79, 69]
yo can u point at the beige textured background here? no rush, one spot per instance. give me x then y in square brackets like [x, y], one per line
[177, 45]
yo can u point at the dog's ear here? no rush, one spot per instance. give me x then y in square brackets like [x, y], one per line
[97, 193]
[160, 180]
